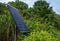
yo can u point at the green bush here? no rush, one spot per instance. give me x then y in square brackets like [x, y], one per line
[40, 36]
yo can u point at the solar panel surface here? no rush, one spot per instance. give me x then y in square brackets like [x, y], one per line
[18, 20]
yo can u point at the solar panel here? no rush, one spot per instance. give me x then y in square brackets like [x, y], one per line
[18, 19]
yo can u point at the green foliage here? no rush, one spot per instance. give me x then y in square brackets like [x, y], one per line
[43, 9]
[40, 36]
[57, 21]
[2, 8]
[19, 5]
[41, 32]
[40, 19]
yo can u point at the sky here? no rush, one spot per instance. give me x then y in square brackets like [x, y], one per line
[54, 3]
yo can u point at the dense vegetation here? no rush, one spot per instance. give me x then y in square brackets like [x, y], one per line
[42, 21]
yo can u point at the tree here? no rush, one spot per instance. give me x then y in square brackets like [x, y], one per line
[43, 10]
[2, 8]
[19, 5]
[57, 21]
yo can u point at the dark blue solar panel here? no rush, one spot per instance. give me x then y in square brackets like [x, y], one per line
[18, 19]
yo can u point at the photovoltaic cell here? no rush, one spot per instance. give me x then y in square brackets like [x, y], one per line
[18, 19]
